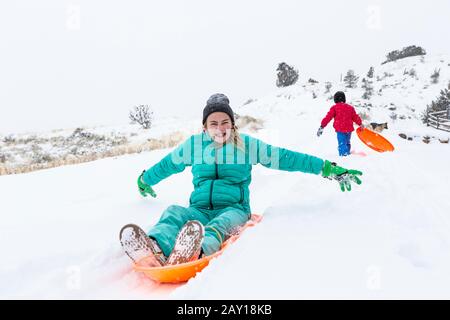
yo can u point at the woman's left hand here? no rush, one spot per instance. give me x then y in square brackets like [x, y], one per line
[344, 176]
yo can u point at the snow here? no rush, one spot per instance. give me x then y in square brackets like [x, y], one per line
[27, 148]
[388, 238]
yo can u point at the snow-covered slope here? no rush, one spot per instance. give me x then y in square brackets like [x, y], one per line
[398, 97]
[22, 152]
[388, 238]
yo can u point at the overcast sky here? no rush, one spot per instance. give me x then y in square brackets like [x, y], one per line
[72, 63]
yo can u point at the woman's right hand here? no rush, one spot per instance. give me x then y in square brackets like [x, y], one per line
[144, 188]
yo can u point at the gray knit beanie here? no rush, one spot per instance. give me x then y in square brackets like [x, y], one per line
[218, 103]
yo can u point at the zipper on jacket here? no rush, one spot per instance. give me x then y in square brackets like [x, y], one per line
[210, 195]
[212, 182]
[242, 194]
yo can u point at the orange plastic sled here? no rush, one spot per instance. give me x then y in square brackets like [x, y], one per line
[183, 272]
[374, 140]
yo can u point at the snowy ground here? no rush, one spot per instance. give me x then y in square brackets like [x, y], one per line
[19, 151]
[388, 238]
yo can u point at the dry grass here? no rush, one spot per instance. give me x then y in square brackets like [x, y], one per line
[248, 122]
[69, 159]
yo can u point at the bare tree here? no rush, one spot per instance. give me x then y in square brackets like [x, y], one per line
[143, 115]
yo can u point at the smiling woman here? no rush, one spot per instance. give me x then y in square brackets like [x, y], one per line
[219, 127]
[221, 161]
[219, 122]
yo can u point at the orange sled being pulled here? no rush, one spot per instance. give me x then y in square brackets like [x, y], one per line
[183, 272]
[374, 140]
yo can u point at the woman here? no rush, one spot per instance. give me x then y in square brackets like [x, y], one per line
[221, 161]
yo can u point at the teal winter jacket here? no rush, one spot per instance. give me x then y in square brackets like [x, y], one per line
[222, 175]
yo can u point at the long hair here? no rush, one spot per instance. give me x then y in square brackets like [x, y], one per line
[235, 138]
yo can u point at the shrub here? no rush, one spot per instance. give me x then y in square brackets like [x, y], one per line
[409, 51]
[286, 75]
[142, 115]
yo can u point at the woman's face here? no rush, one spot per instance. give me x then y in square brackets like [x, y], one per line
[218, 126]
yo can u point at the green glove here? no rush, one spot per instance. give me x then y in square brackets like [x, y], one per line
[343, 176]
[144, 188]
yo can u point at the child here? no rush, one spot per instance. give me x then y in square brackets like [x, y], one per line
[344, 115]
[221, 160]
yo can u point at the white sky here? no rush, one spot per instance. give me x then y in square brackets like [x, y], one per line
[72, 63]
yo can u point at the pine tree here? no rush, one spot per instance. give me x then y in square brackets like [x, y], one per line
[443, 101]
[368, 89]
[440, 104]
[350, 79]
[286, 75]
[435, 76]
[370, 73]
[410, 51]
[413, 73]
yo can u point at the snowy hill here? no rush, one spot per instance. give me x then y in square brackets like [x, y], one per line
[388, 238]
[401, 91]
